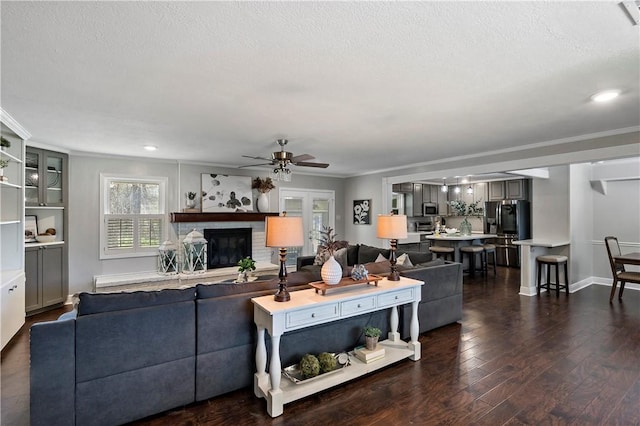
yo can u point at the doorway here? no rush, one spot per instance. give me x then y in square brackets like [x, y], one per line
[317, 209]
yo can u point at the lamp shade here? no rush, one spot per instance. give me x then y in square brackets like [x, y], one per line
[283, 231]
[392, 227]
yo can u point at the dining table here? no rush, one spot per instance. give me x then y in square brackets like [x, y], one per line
[628, 258]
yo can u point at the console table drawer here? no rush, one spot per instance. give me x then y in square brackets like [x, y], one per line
[359, 305]
[313, 315]
[395, 298]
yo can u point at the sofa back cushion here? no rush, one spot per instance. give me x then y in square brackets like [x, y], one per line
[367, 254]
[95, 303]
[111, 343]
[416, 256]
[298, 279]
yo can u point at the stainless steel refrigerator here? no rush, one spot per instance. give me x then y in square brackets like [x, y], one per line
[510, 220]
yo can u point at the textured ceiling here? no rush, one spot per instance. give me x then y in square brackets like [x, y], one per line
[360, 85]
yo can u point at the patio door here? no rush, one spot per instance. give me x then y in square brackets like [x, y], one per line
[317, 209]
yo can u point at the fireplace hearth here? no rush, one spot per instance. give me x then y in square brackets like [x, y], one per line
[225, 247]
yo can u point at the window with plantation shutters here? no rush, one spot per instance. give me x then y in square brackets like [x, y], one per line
[133, 216]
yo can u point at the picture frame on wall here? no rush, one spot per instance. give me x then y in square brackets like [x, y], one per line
[224, 193]
[30, 229]
[362, 212]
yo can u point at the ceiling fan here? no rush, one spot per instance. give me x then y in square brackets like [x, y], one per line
[281, 159]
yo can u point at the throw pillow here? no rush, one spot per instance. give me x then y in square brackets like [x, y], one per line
[380, 258]
[404, 260]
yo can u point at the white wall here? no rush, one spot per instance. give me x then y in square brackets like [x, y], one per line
[550, 205]
[84, 202]
[363, 188]
[618, 214]
[581, 222]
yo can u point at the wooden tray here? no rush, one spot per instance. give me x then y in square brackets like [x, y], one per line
[321, 286]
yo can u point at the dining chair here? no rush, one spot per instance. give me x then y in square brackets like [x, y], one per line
[617, 269]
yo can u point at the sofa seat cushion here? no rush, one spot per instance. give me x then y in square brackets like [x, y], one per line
[95, 303]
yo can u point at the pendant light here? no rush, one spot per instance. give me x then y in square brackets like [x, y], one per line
[469, 190]
[444, 187]
[457, 187]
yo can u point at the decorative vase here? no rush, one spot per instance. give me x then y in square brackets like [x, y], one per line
[243, 277]
[263, 202]
[331, 271]
[189, 203]
[371, 342]
[465, 227]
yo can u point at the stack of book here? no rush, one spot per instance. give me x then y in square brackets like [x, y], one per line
[365, 355]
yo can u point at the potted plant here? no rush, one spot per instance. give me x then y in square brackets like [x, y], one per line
[3, 163]
[4, 143]
[462, 209]
[331, 271]
[190, 202]
[263, 186]
[245, 266]
[371, 336]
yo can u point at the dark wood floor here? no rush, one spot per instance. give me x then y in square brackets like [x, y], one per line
[512, 360]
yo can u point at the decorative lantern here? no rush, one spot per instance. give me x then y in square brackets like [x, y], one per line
[167, 258]
[194, 250]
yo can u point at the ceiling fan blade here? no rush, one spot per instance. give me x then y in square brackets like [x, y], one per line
[254, 165]
[306, 164]
[257, 158]
[302, 157]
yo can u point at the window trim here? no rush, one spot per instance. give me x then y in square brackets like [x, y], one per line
[105, 180]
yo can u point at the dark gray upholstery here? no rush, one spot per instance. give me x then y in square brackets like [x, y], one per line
[142, 353]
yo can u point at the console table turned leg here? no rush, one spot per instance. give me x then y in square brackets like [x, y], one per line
[275, 400]
[394, 336]
[261, 379]
[414, 329]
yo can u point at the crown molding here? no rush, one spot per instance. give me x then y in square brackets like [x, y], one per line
[12, 124]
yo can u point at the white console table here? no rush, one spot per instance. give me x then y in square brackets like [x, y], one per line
[306, 309]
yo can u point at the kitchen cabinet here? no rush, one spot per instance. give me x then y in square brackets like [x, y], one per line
[480, 193]
[46, 281]
[516, 189]
[402, 187]
[417, 197]
[430, 193]
[45, 177]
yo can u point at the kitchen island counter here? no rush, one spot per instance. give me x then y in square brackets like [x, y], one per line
[457, 241]
[530, 250]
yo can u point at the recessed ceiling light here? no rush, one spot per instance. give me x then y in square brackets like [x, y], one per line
[605, 95]
[150, 147]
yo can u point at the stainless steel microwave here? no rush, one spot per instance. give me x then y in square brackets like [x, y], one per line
[429, 209]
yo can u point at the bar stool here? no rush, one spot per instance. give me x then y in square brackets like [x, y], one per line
[552, 260]
[489, 249]
[472, 251]
[443, 252]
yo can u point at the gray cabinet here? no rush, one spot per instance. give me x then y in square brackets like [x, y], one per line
[480, 193]
[517, 189]
[46, 281]
[402, 187]
[430, 193]
[45, 174]
[417, 197]
[46, 265]
[496, 191]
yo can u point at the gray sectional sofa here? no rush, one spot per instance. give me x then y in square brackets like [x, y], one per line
[125, 356]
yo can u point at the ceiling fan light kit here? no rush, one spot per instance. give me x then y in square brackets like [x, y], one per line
[282, 159]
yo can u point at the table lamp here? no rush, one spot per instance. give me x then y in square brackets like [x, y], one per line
[392, 227]
[282, 232]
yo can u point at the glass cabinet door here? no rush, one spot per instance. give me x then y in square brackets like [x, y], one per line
[31, 181]
[43, 178]
[54, 195]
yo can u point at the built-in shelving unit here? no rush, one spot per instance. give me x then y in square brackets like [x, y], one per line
[46, 265]
[12, 277]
